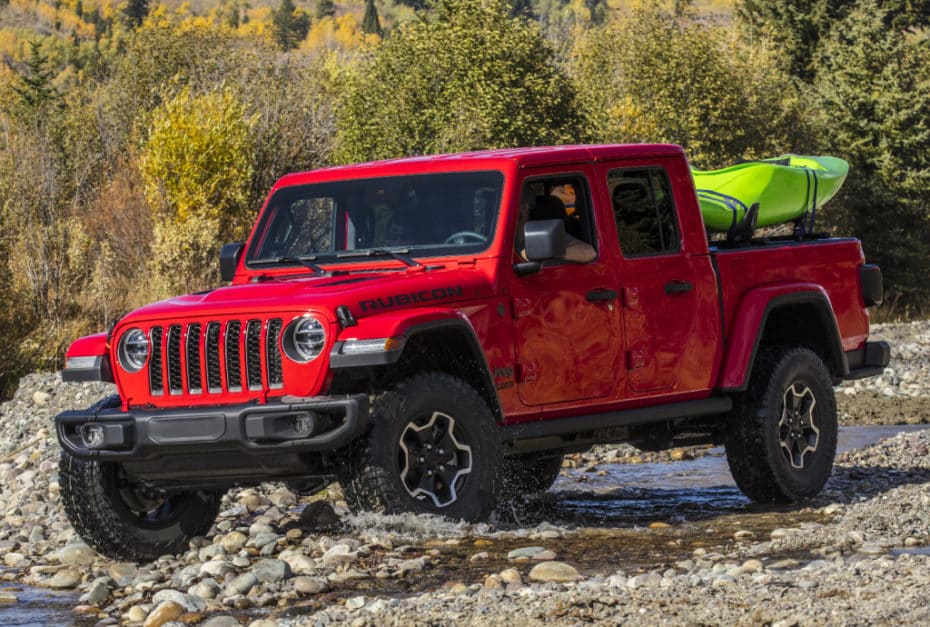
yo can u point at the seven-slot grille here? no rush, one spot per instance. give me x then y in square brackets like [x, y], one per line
[213, 356]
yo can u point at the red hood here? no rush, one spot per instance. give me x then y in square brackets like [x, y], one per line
[364, 293]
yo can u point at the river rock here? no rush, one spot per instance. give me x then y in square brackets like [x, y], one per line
[271, 570]
[233, 541]
[525, 552]
[163, 613]
[310, 585]
[78, 554]
[189, 602]
[65, 579]
[241, 584]
[558, 572]
[319, 515]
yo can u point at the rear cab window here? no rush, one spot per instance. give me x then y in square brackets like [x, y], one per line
[644, 210]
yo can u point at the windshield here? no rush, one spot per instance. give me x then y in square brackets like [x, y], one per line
[422, 215]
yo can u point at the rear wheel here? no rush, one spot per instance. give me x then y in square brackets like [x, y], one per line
[125, 520]
[781, 435]
[432, 446]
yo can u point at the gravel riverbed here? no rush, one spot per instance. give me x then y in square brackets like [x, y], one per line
[859, 553]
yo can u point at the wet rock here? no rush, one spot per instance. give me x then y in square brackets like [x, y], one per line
[558, 572]
[98, 593]
[483, 555]
[8, 598]
[123, 572]
[163, 613]
[319, 515]
[65, 579]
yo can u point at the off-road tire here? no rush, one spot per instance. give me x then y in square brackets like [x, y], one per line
[371, 473]
[90, 493]
[761, 466]
[530, 473]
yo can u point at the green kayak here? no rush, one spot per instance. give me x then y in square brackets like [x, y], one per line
[785, 189]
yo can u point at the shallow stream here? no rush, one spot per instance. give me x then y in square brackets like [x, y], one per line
[604, 519]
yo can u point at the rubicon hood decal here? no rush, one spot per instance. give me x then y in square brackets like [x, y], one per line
[410, 298]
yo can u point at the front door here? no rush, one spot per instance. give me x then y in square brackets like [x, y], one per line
[565, 315]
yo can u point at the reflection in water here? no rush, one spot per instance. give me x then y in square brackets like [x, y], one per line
[38, 607]
[636, 494]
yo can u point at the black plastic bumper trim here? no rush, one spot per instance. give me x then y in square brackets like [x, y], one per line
[869, 361]
[249, 429]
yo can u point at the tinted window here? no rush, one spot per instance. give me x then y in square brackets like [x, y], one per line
[426, 214]
[563, 197]
[644, 210]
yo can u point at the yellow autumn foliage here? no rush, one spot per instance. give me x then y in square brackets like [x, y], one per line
[197, 159]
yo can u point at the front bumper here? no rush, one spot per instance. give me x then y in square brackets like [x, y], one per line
[291, 425]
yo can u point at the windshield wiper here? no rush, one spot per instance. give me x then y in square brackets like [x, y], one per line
[399, 254]
[306, 261]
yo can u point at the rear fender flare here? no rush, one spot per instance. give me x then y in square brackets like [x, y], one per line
[751, 317]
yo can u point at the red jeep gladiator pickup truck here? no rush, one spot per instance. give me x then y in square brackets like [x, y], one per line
[437, 332]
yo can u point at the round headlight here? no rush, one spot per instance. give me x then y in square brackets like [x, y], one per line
[133, 350]
[304, 339]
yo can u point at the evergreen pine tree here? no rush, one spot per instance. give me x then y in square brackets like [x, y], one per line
[325, 8]
[371, 23]
[34, 87]
[281, 24]
[79, 9]
[136, 11]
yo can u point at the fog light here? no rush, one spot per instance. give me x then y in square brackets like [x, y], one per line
[93, 436]
[303, 424]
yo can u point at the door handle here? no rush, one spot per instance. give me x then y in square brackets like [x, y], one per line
[678, 287]
[596, 296]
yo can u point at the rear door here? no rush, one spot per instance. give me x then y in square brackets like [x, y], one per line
[666, 281]
[565, 316]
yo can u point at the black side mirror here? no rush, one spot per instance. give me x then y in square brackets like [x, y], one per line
[544, 240]
[229, 259]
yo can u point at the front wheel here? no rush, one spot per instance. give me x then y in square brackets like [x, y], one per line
[432, 446]
[122, 519]
[781, 434]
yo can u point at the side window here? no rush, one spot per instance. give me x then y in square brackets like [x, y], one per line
[562, 197]
[644, 209]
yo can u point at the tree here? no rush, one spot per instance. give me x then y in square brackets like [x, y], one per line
[34, 86]
[797, 27]
[325, 8]
[136, 12]
[289, 25]
[371, 23]
[468, 76]
[196, 168]
[648, 77]
[873, 99]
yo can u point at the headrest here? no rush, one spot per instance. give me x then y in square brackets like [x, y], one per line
[628, 192]
[547, 208]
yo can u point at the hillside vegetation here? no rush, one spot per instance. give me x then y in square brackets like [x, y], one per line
[136, 138]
